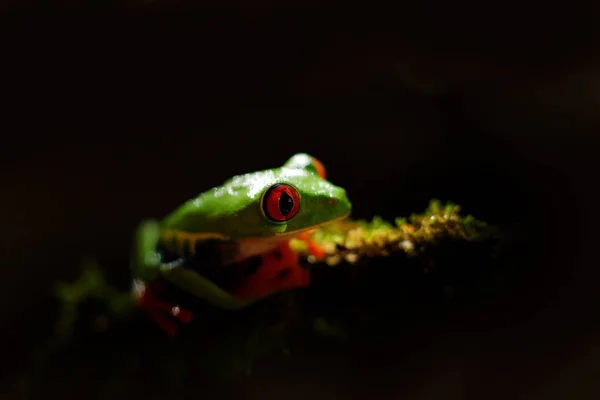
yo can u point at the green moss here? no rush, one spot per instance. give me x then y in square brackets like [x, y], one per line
[356, 239]
[90, 285]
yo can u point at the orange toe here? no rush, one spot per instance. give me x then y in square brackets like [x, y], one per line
[314, 249]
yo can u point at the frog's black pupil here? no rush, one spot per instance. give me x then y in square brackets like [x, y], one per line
[286, 203]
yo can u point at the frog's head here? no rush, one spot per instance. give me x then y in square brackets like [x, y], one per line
[277, 202]
[287, 201]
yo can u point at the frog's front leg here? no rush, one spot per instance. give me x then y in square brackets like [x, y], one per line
[147, 265]
[149, 297]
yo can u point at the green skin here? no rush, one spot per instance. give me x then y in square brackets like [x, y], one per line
[233, 212]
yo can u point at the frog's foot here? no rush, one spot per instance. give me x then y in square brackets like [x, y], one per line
[286, 271]
[161, 312]
[314, 249]
[275, 271]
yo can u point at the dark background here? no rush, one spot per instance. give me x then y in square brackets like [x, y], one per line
[113, 112]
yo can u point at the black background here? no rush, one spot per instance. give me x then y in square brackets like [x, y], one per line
[115, 112]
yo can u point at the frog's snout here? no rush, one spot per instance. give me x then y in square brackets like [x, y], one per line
[332, 201]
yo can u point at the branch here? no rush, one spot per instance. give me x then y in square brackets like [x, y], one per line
[376, 273]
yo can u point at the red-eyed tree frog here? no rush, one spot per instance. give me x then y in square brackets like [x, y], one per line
[249, 220]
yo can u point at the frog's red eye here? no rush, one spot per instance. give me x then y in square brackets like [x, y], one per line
[281, 202]
[319, 167]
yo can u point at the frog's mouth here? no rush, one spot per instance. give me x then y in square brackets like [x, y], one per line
[310, 228]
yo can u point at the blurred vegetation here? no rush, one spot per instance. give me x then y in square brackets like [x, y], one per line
[376, 274]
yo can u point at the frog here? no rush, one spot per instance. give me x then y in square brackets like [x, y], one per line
[249, 220]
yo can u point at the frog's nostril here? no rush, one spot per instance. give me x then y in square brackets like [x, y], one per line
[332, 201]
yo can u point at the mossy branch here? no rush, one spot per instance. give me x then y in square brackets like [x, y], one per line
[373, 271]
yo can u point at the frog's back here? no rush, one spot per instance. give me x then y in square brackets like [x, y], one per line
[206, 213]
[215, 214]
